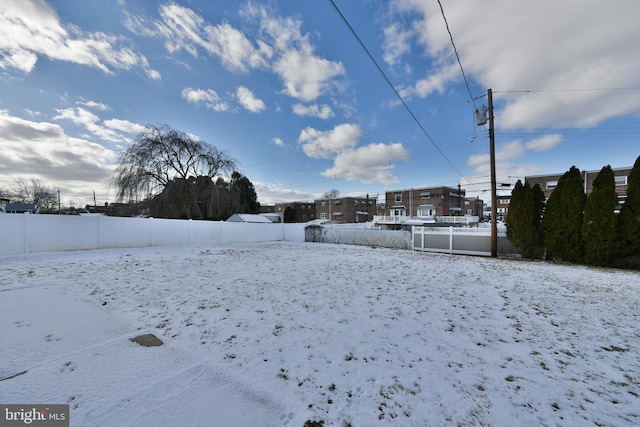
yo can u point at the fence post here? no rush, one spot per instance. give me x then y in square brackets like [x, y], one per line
[450, 240]
[25, 234]
[99, 218]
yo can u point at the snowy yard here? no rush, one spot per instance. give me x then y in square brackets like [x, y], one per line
[282, 333]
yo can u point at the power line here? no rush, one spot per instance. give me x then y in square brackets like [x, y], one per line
[386, 78]
[569, 90]
[455, 50]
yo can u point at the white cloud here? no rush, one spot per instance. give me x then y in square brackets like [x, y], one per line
[544, 143]
[183, 29]
[396, 43]
[324, 144]
[43, 151]
[93, 104]
[90, 121]
[320, 111]
[279, 47]
[306, 76]
[368, 164]
[271, 193]
[208, 97]
[124, 126]
[508, 153]
[29, 28]
[248, 100]
[569, 53]
[277, 141]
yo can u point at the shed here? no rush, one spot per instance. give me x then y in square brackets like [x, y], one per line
[21, 208]
[255, 218]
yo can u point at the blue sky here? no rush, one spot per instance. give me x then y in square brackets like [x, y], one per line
[286, 89]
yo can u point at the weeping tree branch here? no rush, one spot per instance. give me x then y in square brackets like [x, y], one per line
[161, 154]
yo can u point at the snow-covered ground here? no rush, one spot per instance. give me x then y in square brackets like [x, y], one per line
[277, 334]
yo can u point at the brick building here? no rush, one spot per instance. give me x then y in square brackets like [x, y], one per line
[346, 209]
[432, 202]
[303, 211]
[549, 182]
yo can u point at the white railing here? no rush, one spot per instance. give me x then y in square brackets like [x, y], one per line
[389, 219]
[400, 219]
[458, 219]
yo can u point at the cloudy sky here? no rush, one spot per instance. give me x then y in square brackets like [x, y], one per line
[289, 92]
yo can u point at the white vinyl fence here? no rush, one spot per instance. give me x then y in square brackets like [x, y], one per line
[25, 233]
[458, 240]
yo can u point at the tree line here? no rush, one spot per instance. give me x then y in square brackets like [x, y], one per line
[573, 227]
[165, 173]
[32, 191]
[177, 176]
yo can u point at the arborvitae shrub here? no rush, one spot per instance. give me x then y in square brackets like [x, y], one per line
[599, 225]
[563, 218]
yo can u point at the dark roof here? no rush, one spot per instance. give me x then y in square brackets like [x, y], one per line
[21, 207]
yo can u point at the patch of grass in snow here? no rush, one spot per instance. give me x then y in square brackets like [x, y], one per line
[283, 374]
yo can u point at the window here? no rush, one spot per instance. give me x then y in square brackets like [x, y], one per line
[322, 204]
[302, 207]
[304, 216]
[551, 185]
[620, 180]
[428, 210]
[469, 211]
[398, 198]
[323, 215]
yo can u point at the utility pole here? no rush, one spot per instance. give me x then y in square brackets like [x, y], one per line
[494, 196]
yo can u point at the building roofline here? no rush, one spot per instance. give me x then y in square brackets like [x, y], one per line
[581, 171]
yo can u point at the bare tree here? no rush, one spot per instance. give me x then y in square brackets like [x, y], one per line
[331, 195]
[161, 154]
[35, 192]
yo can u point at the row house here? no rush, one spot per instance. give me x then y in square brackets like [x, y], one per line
[424, 205]
[302, 211]
[502, 208]
[346, 209]
[549, 182]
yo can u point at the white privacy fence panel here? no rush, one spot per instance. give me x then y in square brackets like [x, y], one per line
[458, 240]
[44, 233]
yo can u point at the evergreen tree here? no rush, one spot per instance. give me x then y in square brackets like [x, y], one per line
[628, 227]
[523, 221]
[599, 226]
[289, 214]
[563, 218]
[247, 199]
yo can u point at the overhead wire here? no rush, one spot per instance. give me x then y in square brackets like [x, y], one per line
[455, 50]
[393, 88]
